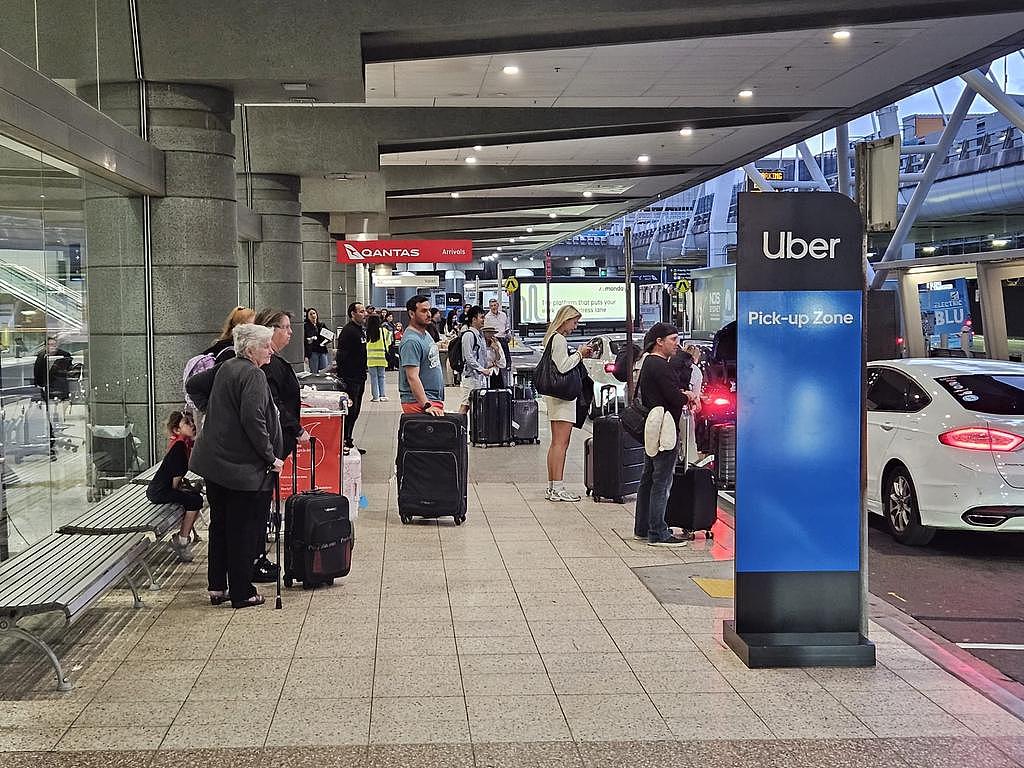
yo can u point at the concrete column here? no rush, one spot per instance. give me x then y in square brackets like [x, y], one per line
[194, 230]
[277, 262]
[316, 265]
[115, 312]
[193, 236]
[340, 277]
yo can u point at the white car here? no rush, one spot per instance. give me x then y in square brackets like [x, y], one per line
[945, 446]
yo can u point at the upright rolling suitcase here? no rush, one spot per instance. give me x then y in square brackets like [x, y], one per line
[318, 534]
[693, 500]
[490, 417]
[613, 460]
[525, 421]
[432, 466]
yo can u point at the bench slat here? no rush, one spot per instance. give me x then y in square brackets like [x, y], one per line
[128, 511]
[70, 584]
[58, 561]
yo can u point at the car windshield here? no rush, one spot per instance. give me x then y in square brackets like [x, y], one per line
[999, 394]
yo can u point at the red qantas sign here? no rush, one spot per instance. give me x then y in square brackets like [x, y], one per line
[404, 251]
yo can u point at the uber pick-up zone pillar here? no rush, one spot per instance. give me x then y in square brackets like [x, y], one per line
[800, 435]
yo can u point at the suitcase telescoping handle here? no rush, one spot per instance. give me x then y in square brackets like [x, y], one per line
[312, 466]
[609, 397]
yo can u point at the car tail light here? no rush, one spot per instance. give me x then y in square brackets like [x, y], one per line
[609, 367]
[981, 439]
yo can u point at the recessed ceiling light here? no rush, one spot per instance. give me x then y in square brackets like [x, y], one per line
[510, 69]
[515, 258]
[841, 34]
[470, 159]
[588, 193]
[552, 215]
[643, 158]
[455, 194]
[746, 93]
[529, 229]
[478, 148]
[511, 239]
[295, 87]
[686, 131]
[499, 247]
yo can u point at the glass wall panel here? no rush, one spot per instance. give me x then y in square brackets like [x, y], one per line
[85, 46]
[67, 436]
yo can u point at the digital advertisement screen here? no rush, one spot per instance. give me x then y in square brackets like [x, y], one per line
[597, 302]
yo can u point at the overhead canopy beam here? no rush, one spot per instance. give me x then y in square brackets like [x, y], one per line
[419, 179]
[414, 207]
[448, 224]
[310, 140]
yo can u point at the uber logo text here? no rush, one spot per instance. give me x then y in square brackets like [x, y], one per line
[790, 247]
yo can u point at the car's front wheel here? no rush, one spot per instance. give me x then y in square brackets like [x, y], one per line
[901, 511]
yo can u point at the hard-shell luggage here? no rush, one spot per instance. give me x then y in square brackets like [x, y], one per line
[723, 446]
[613, 460]
[525, 421]
[693, 500]
[490, 417]
[432, 466]
[318, 534]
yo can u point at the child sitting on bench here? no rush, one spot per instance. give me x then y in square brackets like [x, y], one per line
[170, 486]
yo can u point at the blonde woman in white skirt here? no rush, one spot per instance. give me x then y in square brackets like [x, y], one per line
[562, 413]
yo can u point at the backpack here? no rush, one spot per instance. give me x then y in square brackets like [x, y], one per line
[197, 364]
[620, 369]
[455, 357]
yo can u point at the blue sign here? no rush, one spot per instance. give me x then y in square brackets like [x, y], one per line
[944, 311]
[798, 492]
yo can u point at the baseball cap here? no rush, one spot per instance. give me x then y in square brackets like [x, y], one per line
[658, 331]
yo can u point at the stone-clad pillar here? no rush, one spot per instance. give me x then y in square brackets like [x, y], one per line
[193, 238]
[339, 293]
[277, 267]
[194, 231]
[316, 265]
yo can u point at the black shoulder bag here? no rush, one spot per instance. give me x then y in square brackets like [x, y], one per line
[550, 381]
[634, 418]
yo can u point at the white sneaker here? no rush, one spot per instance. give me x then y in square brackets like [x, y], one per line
[374, 399]
[384, 399]
[563, 494]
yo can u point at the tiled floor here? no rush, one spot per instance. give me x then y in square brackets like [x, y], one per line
[523, 638]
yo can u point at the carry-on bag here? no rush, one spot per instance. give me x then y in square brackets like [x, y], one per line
[525, 421]
[613, 462]
[323, 382]
[693, 500]
[432, 466]
[318, 534]
[490, 417]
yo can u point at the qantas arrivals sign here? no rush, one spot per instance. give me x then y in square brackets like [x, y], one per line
[405, 251]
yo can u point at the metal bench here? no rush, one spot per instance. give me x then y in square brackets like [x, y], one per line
[66, 573]
[128, 510]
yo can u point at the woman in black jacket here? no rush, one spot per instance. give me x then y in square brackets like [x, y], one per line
[238, 450]
[314, 343]
[284, 385]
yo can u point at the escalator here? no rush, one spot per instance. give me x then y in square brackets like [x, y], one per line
[53, 298]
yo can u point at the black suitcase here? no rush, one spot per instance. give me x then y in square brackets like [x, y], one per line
[525, 422]
[432, 466]
[723, 446]
[322, 382]
[318, 534]
[693, 500]
[490, 417]
[613, 460]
